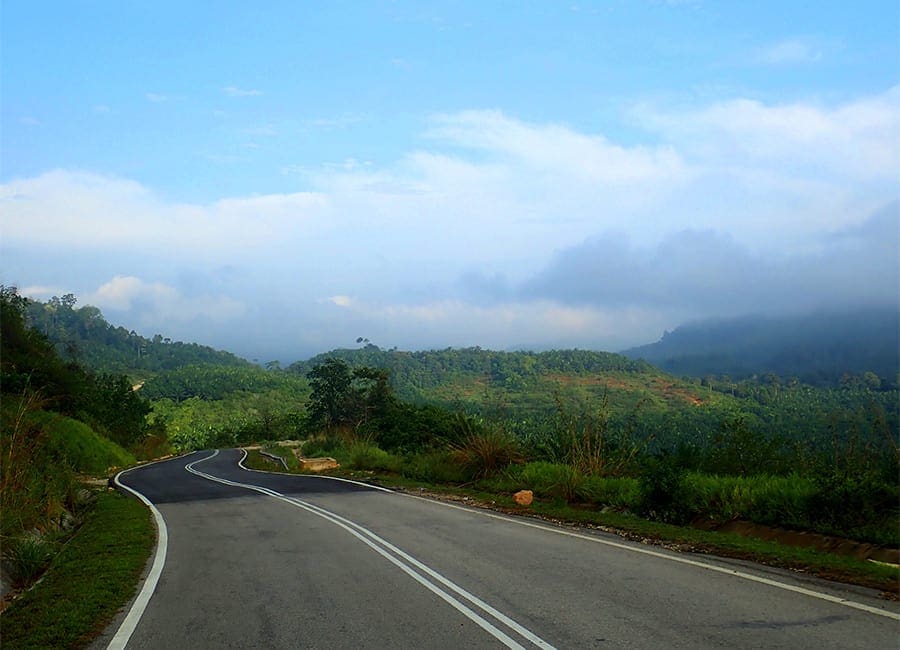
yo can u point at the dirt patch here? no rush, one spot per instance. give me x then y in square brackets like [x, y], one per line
[826, 543]
[668, 389]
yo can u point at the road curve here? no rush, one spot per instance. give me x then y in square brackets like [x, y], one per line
[264, 560]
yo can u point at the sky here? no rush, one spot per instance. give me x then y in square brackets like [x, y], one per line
[280, 179]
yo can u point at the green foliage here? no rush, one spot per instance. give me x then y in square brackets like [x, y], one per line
[765, 499]
[37, 484]
[364, 456]
[82, 335]
[556, 480]
[81, 447]
[27, 557]
[662, 491]
[29, 363]
[616, 492]
[321, 447]
[484, 451]
[212, 382]
[91, 578]
[343, 396]
[408, 428]
[740, 449]
[435, 467]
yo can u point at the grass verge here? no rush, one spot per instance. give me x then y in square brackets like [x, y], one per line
[93, 576]
[681, 538]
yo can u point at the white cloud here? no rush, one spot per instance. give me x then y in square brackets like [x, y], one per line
[101, 108]
[43, 292]
[29, 121]
[234, 91]
[158, 303]
[78, 210]
[790, 51]
[489, 195]
[503, 325]
[856, 139]
[156, 98]
[555, 148]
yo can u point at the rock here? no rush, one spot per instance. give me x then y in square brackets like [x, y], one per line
[524, 497]
[318, 464]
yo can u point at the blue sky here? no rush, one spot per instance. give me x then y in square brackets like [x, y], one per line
[279, 180]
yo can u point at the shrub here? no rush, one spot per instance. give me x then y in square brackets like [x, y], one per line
[435, 467]
[662, 491]
[483, 452]
[619, 492]
[27, 557]
[778, 500]
[369, 457]
[321, 447]
[555, 480]
[843, 503]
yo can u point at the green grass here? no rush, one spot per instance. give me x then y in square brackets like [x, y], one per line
[93, 576]
[84, 449]
[286, 453]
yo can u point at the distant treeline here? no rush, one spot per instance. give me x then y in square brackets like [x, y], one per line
[413, 372]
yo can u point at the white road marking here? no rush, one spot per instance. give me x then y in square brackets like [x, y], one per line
[636, 549]
[674, 558]
[126, 629]
[372, 540]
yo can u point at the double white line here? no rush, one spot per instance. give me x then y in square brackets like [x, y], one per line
[447, 590]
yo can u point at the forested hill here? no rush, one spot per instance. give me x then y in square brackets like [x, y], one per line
[417, 371]
[83, 335]
[820, 349]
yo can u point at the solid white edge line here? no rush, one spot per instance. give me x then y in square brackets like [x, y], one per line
[126, 629]
[473, 616]
[674, 558]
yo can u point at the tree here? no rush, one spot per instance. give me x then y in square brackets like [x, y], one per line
[330, 382]
[344, 396]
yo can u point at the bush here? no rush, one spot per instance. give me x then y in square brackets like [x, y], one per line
[484, 452]
[618, 492]
[662, 491]
[318, 447]
[551, 479]
[435, 467]
[844, 503]
[27, 557]
[369, 457]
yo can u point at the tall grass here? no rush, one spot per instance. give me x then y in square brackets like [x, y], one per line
[36, 484]
[484, 452]
[555, 480]
[365, 456]
[84, 450]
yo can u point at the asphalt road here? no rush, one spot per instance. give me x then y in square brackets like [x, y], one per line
[277, 561]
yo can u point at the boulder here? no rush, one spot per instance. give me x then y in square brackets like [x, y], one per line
[524, 497]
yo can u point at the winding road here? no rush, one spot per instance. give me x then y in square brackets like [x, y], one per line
[262, 560]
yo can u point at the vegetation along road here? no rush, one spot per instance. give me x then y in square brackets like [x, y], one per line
[254, 559]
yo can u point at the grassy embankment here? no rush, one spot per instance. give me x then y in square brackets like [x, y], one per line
[564, 496]
[93, 576]
[74, 553]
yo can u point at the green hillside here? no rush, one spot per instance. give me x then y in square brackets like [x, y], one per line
[83, 335]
